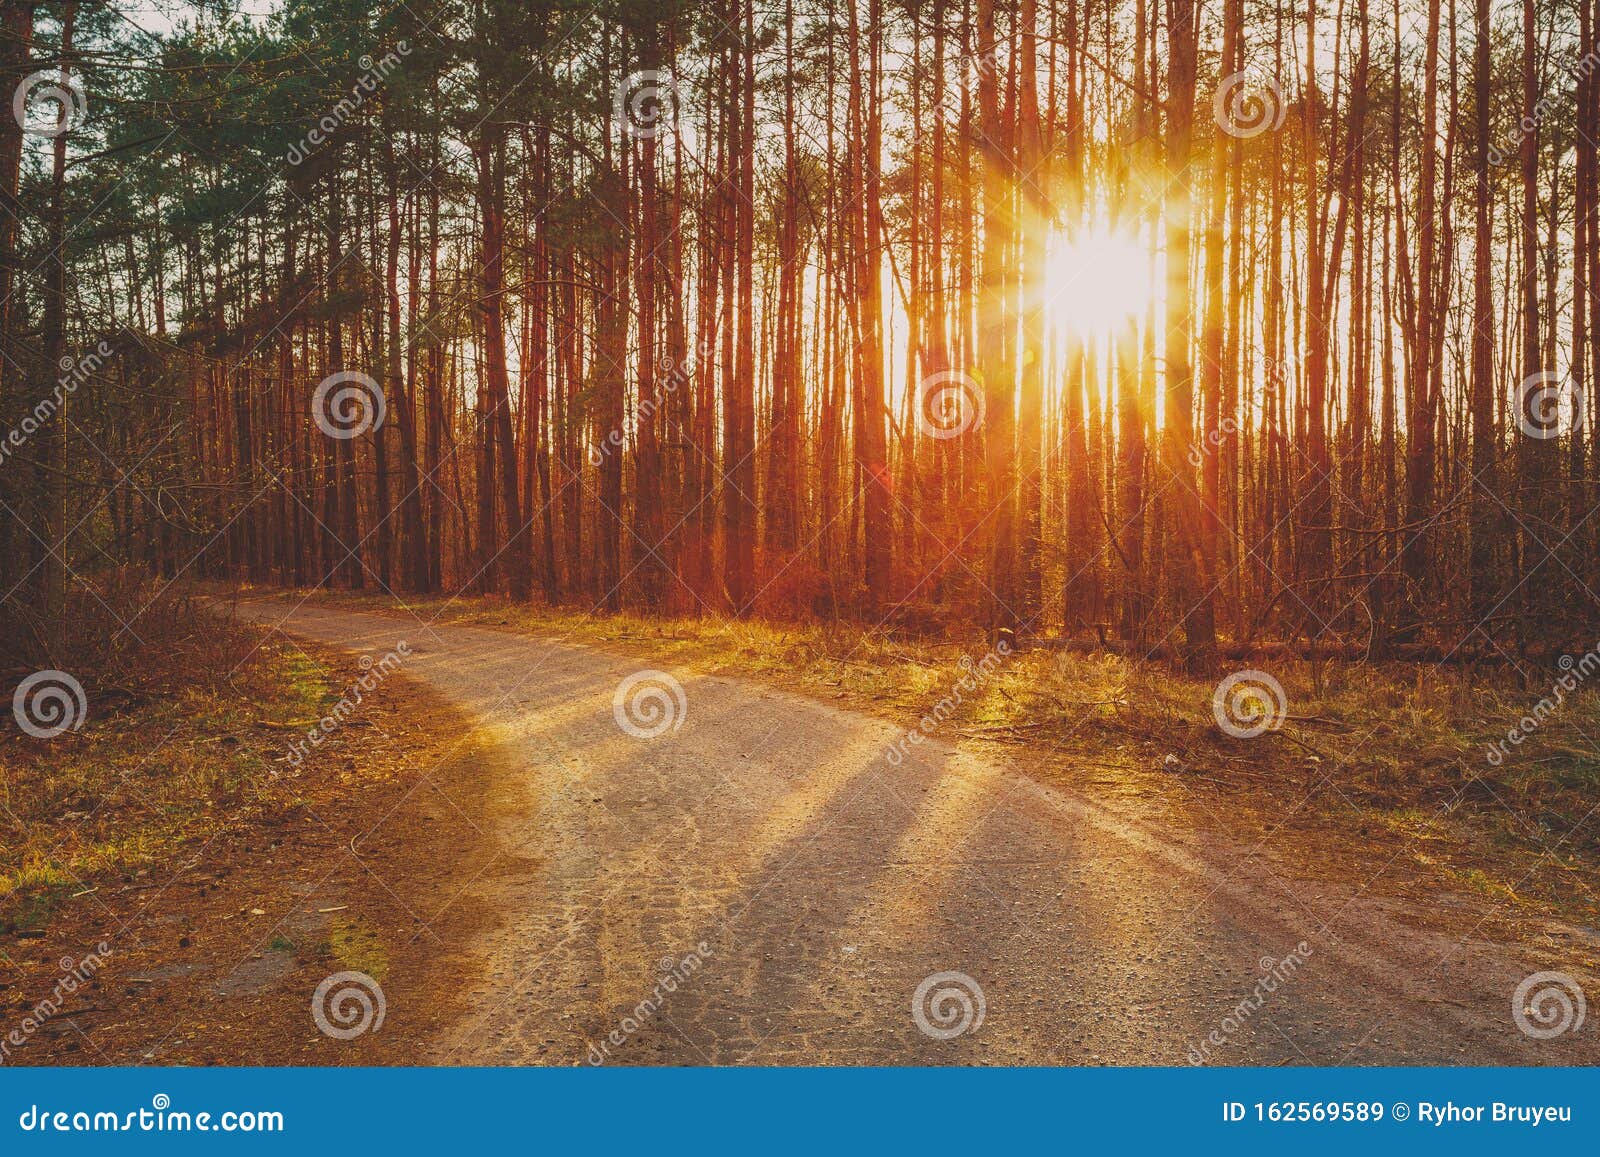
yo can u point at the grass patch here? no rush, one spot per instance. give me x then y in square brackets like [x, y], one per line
[122, 795]
[358, 948]
[185, 737]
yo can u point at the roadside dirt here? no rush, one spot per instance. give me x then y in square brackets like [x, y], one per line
[215, 959]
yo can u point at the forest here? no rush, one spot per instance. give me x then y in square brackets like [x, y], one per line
[1148, 325]
[826, 533]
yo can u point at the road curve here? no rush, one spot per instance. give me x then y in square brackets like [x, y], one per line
[763, 883]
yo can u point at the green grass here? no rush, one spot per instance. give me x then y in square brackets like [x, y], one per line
[122, 794]
[358, 948]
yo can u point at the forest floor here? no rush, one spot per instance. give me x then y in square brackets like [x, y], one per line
[1076, 838]
[177, 884]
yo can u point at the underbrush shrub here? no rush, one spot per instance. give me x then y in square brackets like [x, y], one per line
[126, 638]
[792, 588]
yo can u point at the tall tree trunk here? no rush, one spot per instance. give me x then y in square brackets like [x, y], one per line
[500, 457]
[1482, 492]
[647, 518]
[1034, 196]
[52, 461]
[1192, 566]
[1536, 448]
[1416, 541]
[738, 454]
[995, 369]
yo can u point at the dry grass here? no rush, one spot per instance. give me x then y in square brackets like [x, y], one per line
[127, 638]
[184, 736]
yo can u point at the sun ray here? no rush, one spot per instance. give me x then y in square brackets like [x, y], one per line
[1095, 281]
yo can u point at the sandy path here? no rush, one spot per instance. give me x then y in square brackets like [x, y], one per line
[826, 883]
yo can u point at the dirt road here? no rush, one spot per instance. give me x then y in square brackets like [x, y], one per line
[766, 881]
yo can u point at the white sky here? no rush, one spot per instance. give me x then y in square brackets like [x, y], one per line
[161, 16]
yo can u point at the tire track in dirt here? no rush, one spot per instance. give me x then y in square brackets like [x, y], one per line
[826, 883]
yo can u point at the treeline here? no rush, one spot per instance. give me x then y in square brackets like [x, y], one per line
[792, 309]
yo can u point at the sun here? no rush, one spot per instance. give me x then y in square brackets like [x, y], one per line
[1096, 281]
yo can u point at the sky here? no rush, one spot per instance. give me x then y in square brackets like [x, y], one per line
[160, 17]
